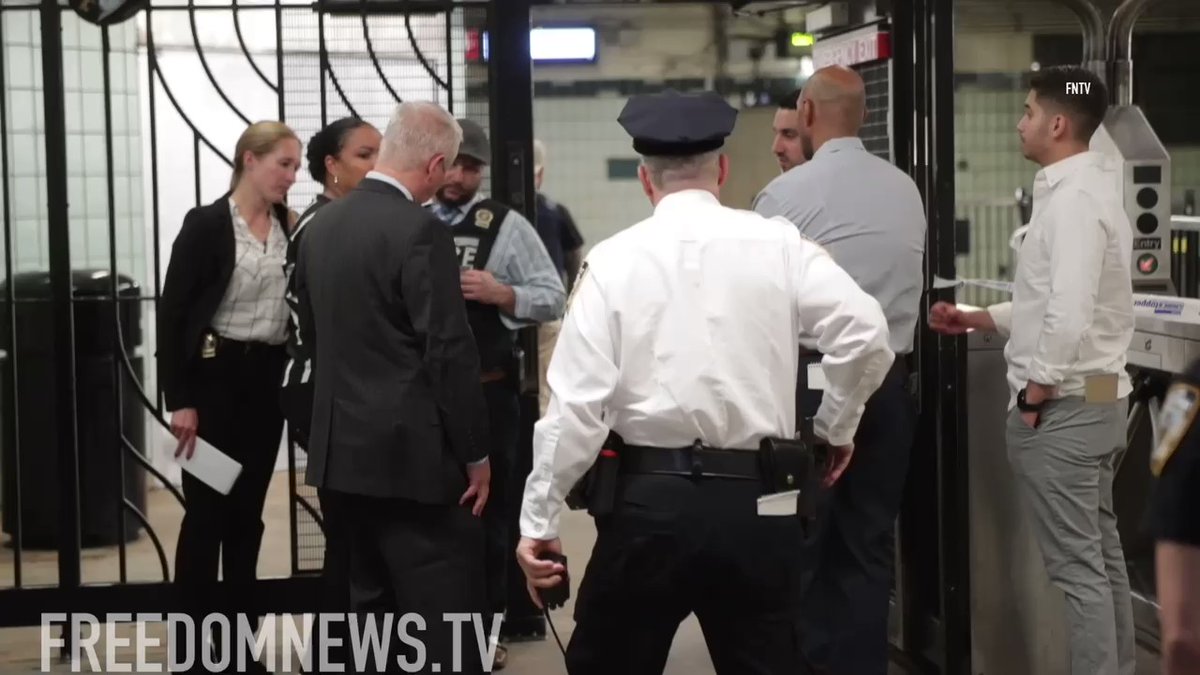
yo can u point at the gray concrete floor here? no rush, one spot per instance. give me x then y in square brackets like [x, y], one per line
[20, 648]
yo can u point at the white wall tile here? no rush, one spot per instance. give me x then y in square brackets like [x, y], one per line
[138, 245]
[37, 62]
[23, 155]
[93, 112]
[70, 29]
[97, 196]
[79, 249]
[21, 111]
[581, 134]
[117, 73]
[120, 155]
[133, 74]
[122, 228]
[75, 165]
[124, 37]
[77, 196]
[73, 107]
[135, 154]
[25, 197]
[27, 245]
[122, 196]
[133, 108]
[72, 70]
[39, 111]
[20, 62]
[95, 155]
[98, 243]
[93, 72]
[19, 27]
[89, 37]
[120, 116]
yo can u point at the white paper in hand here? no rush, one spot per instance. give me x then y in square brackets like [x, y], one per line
[208, 464]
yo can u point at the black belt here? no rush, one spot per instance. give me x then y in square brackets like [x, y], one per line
[692, 461]
[226, 345]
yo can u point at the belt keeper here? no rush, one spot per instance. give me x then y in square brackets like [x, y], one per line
[694, 459]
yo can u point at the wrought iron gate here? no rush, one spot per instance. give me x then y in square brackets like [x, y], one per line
[136, 122]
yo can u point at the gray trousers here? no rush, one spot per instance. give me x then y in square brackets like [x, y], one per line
[1064, 470]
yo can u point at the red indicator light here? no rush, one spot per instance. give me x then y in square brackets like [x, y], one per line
[1147, 263]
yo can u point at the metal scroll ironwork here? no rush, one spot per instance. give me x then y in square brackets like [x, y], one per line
[174, 130]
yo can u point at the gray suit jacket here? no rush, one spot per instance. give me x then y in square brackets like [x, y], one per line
[398, 409]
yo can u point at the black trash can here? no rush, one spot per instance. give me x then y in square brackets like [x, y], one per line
[103, 461]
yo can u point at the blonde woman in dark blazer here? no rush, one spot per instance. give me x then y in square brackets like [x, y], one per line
[222, 329]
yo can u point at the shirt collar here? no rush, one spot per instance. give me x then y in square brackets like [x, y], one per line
[380, 176]
[1054, 174]
[240, 221]
[685, 197]
[240, 224]
[462, 208]
[839, 144]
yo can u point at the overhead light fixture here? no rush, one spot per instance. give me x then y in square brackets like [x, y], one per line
[807, 68]
[559, 44]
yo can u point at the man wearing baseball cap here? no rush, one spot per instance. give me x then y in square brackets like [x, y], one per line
[509, 283]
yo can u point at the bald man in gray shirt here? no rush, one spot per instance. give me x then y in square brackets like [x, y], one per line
[868, 214]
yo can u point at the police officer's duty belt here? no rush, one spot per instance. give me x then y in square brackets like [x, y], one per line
[697, 461]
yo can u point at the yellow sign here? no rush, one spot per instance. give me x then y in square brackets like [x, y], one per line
[802, 40]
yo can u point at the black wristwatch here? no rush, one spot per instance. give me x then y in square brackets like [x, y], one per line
[1026, 406]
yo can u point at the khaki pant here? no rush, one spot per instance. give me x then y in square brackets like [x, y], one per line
[547, 337]
[1065, 471]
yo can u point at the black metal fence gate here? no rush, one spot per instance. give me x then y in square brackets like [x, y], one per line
[109, 133]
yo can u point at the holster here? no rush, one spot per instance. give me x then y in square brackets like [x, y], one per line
[794, 464]
[597, 489]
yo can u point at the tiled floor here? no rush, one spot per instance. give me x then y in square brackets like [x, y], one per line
[20, 648]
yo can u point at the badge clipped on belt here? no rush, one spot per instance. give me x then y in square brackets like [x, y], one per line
[209, 350]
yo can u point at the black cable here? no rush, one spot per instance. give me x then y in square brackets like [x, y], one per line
[546, 613]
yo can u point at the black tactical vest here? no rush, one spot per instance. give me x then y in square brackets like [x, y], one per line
[474, 236]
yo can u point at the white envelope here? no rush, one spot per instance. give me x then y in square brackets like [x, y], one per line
[208, 464]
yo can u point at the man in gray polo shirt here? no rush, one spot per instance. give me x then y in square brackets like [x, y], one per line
[869, 216]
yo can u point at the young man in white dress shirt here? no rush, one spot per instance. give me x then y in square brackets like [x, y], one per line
[1068, 326]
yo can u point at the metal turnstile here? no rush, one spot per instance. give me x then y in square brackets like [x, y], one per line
[1160, 349]
[1017, 616]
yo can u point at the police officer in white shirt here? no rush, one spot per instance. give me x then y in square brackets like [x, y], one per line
[681, 338]
[869, 215]
[1068, 326]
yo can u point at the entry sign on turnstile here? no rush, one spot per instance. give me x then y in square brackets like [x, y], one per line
[1144, 183]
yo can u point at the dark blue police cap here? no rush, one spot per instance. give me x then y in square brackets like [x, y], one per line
[673, 124]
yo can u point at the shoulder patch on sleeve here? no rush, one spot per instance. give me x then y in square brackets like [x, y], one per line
[583, 271]
[1174, 421]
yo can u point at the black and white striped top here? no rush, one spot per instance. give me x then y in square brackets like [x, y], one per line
[299, 368]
